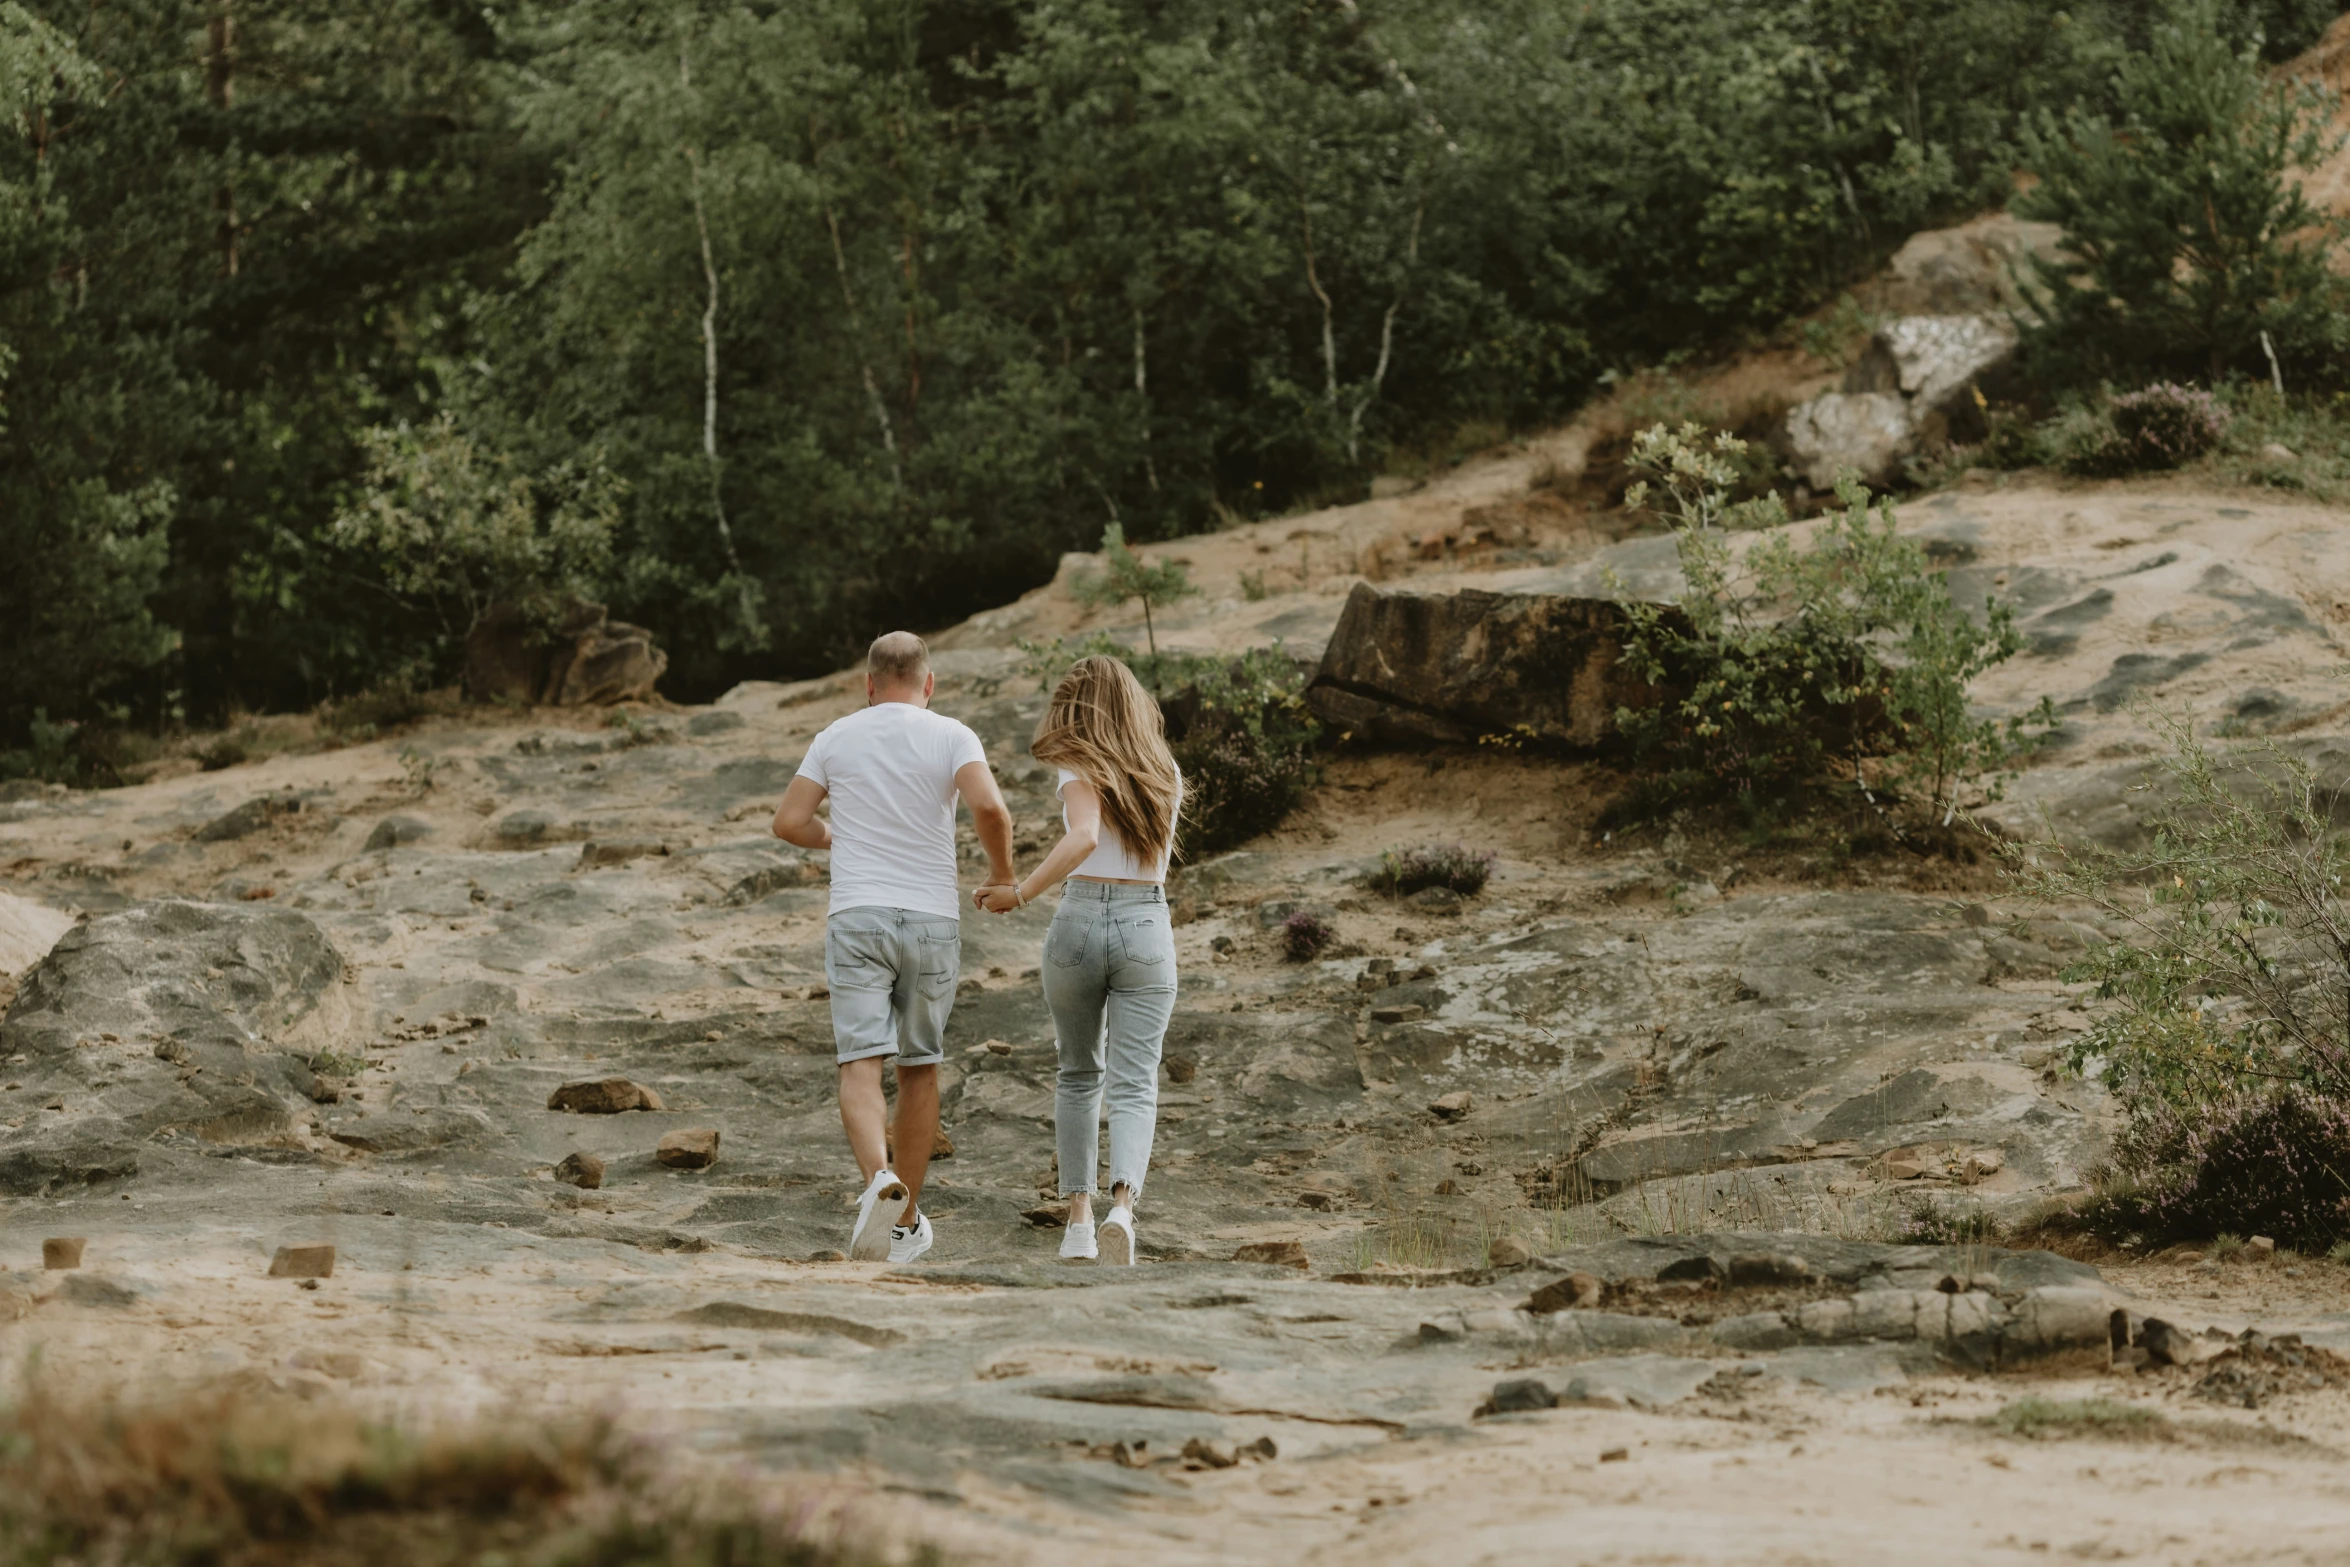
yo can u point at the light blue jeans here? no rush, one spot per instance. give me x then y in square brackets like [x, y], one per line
[1109, 978]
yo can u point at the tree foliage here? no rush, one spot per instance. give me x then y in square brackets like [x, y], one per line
[2190, 244]
[877, 307]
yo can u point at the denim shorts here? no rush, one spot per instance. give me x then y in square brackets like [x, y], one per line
[892, 975]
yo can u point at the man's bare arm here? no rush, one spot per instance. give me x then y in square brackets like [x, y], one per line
[990, 818]
[796, 820]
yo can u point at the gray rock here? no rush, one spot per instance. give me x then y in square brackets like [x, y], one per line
[249, 818]
[703, 725]
[1518, 1396]
[56, 1162]
[394, 831]
[1866, 432]
[1410, 666]
[584, 659]
[168, 1014]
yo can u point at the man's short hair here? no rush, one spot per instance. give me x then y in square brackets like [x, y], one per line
[898, 659]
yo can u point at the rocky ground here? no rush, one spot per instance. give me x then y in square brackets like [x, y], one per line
[326, 998]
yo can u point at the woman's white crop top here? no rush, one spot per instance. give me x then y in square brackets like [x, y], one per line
[1110, 859]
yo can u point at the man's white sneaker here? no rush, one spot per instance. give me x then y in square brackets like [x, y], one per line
[1117, 1237]
[1077, 1243]
[906, 1244]
[882, 1206]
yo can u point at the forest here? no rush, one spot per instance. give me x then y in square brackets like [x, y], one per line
[322, 326]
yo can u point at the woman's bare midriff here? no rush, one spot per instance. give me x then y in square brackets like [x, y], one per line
[1116, 881]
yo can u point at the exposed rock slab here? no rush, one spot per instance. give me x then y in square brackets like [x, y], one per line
[1455, 667]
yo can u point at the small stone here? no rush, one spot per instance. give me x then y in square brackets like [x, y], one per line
[393, 831]
[1442, 902]
[1519, 1395]
[2278, 451]
[941, 1145]
[1448, 1187]
[303, 1262]
[1284, 1254]
[62, 1251]
[1697, 1269]
[583, 1170]
[596, 853]
[1207, 1455]
[1576, 1291]
[2260, 1248]
[1452, 1106]
[703, 725]
[2169, 1345]
[689, 1148]
[1766, 1268]
[604, 1096]
[1263, 1447]
[999, 1047]
[1985, 1161]
[1400, 1012]
[828, 1256]
[1052, 1216]
[1507, 1253]
[1181, 1069]
[1615, 1455]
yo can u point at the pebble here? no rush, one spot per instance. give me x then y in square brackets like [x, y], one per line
[583, 1170]
[603, 1096]
[62, 1251]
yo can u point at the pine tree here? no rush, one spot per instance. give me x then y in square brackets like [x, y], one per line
[2188, 240]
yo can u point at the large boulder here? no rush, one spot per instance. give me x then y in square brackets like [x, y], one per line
[1913, 389]
[584, 659]
[1455, 667]
[194, 1016]
[1976, 268]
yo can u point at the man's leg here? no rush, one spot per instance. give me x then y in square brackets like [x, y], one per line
[917, 1128]
[864, 1115]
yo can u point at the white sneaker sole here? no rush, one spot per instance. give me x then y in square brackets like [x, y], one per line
[1116, 1243]
[869, 1242]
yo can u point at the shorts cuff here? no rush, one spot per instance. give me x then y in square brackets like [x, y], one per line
[843, 1057]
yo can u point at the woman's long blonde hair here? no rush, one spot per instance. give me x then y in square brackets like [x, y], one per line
[1103, 726]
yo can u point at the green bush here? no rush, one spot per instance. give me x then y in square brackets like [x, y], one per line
[1787, 667]
[2224, 1020]
[1238, 726]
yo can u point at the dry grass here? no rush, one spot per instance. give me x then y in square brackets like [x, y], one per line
[230, 1479]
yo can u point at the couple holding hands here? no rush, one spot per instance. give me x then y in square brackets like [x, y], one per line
[893, 944]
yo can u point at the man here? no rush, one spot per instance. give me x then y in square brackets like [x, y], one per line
[893, 937]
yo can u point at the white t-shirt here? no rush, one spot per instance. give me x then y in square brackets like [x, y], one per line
[1110, 857]
[891, 773]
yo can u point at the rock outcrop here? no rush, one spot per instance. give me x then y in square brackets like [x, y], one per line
[1454, 667]
[585, 660]
[1913, 389]
[167, 1016]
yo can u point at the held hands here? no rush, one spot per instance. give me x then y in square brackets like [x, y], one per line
[997, 898]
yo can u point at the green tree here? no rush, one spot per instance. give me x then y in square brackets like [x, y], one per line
[1126, 577]
[86, 550]
[2190, 243]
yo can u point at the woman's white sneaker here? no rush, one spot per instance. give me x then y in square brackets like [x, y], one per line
[882, 1206]
[1077, 1243]
[1117, 1237]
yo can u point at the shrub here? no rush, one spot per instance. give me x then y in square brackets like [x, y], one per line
[2231, 976]
[2226, 1030]
[1405, 871]
[1846, 658]
[1238, 726]
[1304, 935]
[2267, 1163]
[2161, 426]
[1928, 1223]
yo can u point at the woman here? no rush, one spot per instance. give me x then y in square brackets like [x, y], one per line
[1109, 958]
